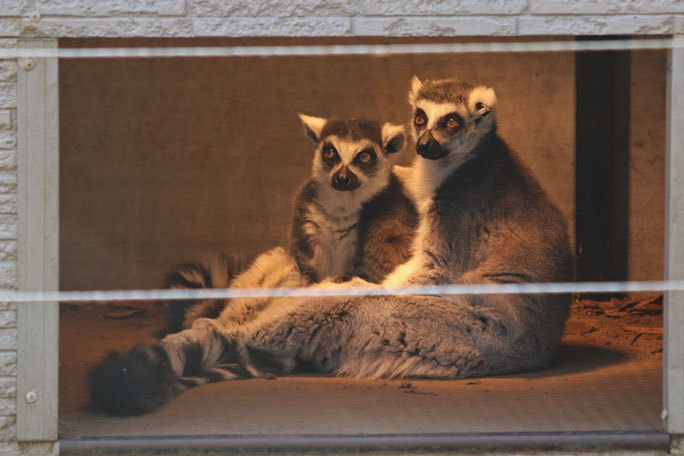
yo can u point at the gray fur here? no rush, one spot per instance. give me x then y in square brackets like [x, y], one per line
[386, 231]
[354, 129]
[446, 90]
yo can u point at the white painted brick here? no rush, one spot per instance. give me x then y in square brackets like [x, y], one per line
[111, 7]
[8, 162]
[8, 250]
[6, 116]
[8, 305]
[14, 7]
[9, 448]
[10, 26]
[122, 27]
[678, 24]
[413, 26]
[595, 25]
[8, 188]
[8, 341]
[8, 364]
[8, 319]
[8, 280]
[8, 95]
[8, 428]
[442, 8]
[8, 203]
[606, 6]
[34, 448]
[274, 8]
[7, 43]
[8, 139]
[8, 387]
[8, 407]
[8, 226]
[311, 26]
[8, 183]
[8, 71]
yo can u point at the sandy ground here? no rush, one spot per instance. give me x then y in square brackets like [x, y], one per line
[607, 377]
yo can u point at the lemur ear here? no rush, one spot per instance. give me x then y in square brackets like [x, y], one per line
[313, 126]
[482, 100]
[416, 85]
[393, 138]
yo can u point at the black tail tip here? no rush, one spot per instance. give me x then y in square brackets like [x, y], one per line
[139, 381]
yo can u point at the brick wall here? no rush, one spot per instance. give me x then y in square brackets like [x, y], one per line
[176, 18]
[163, 18]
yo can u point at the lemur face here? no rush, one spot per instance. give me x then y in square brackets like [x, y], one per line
[353, 155]
[449, 117]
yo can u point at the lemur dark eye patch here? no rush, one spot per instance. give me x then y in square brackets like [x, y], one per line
[451, 121]
[420, 119]
[329, 154]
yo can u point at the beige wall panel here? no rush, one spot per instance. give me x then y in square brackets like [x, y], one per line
[647, 165]
[164, 160]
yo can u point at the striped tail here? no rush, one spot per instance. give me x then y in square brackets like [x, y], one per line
[217, 272]
[148, 376]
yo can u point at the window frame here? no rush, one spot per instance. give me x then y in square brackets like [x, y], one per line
[38, 253]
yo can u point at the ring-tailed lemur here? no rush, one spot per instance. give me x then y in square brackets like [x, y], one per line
[351, 196]
[351, 218]
[483, 219]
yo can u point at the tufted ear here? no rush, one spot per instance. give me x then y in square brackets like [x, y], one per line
[393, 138]
[416, 85]
[481, 100]
[313, 126]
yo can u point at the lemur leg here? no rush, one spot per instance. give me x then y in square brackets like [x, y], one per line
[391, 336]
[273, 269]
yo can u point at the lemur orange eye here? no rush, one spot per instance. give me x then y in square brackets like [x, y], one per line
[419, 120]
[366, 157]
[451, 122]
[329, 153]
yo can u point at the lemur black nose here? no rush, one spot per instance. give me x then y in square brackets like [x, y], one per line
[345, 180]
[428, 147]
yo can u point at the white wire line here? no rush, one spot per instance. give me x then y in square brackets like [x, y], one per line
[341, 290]
[347, 49]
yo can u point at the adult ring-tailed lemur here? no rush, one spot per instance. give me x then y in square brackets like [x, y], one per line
[483, 219]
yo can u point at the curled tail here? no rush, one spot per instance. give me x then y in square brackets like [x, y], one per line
[216, 272]
[148, 376]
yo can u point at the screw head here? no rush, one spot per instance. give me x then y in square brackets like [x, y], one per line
[34, 16]
[31, 397]
[27, 64]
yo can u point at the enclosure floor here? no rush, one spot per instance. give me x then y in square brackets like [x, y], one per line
[607, 377]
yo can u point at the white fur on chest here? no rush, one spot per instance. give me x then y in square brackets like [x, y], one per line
[334, 242]
[422, 181]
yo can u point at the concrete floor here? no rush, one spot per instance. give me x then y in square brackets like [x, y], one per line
[607, 377]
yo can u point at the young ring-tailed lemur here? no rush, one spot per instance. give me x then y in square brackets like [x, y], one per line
[483, 219]
[351, 218]
[353, 205]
